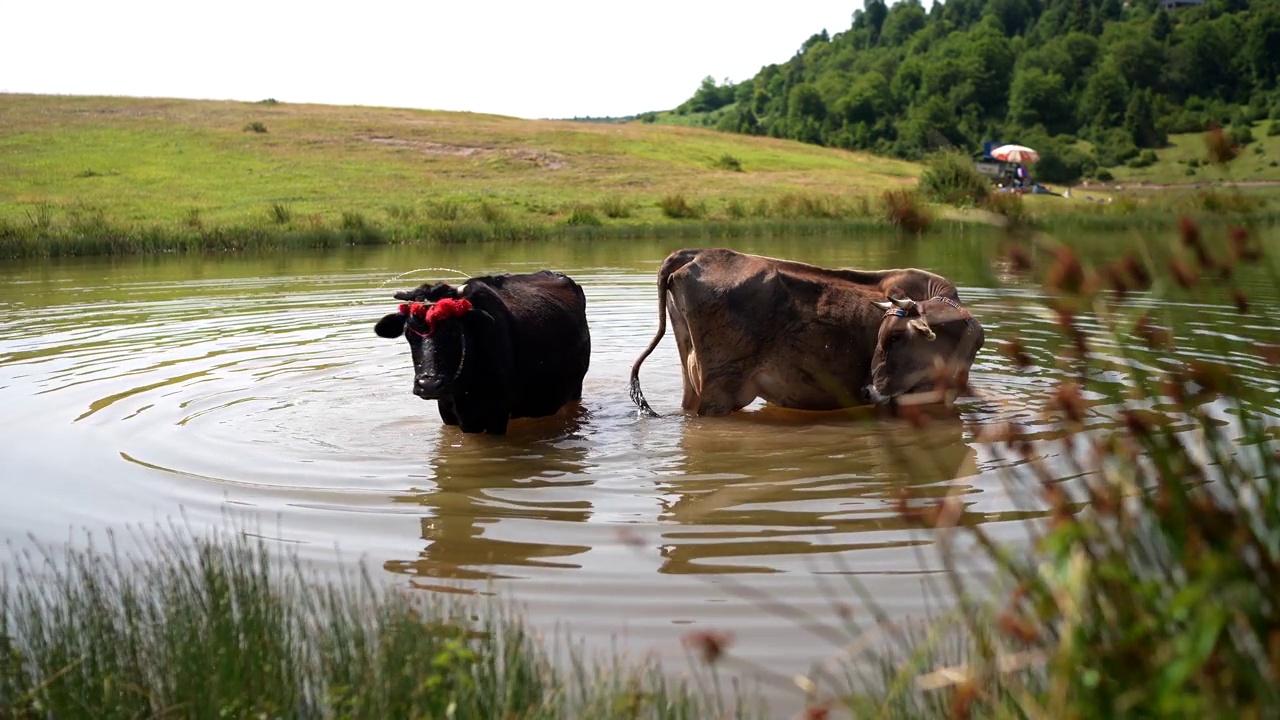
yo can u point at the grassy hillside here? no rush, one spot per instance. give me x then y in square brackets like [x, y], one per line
[1183, 161]
[194, 162]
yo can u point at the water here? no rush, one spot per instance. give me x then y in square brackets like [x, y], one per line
[136, 389]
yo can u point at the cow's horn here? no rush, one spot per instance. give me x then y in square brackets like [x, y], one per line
[904, 304]
[882, 305]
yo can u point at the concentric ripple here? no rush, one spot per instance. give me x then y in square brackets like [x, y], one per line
[136, 389]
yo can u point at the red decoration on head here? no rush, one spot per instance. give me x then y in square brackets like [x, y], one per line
[445, 309]
[431, 313]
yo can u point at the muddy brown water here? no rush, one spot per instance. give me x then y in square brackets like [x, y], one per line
[138, 389]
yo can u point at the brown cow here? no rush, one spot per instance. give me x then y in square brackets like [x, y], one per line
[805, 337]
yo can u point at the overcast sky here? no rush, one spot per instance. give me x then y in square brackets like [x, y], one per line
[554, 58]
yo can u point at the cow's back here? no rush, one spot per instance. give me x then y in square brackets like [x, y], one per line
[796, 334]
[550, 338]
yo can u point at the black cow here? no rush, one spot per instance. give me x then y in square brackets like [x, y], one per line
[496, 347]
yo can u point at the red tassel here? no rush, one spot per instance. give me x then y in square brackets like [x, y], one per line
[445, 309]
[404, 308]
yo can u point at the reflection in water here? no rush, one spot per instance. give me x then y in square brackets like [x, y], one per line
[814, 483]
[471, 475]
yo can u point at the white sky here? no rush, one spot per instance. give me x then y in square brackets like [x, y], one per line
[554, 58]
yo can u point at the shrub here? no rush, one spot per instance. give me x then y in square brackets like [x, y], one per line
[1240, 134]
[1146, 158]
[1273, 128]
[903, 209]
[793, 205]
[1114, 147]
[493, 214]
[447, 210]
[583, 216]
[728, 162]
[281, 214]
[677, 207]
[352, 220]
[736, 209]
[951, 177]
[1103, 175]
[256, 127]
[615, 207]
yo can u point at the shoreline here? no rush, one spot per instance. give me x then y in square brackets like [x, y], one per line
[103, 238]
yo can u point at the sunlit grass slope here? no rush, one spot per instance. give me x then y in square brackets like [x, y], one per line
[188, 161]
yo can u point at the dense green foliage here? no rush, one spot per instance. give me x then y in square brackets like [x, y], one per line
[906, 81]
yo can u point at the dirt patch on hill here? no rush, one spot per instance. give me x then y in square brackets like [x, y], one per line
[537, 158]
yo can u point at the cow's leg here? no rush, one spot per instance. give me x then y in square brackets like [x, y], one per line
[689, 371]
[448, 413]
[724, 390]
[498, 424]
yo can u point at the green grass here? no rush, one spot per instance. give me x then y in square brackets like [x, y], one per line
[90, 175]
[146, 160]
[1184, 162]
[213, 626]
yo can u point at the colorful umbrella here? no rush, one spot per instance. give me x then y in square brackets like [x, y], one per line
[1015, 154]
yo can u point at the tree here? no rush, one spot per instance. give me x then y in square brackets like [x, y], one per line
[1037, 97]
[905, 18]
[1103, 102]
[1261, 52]
[875, 14]
[1161, 26]
[1140, 58]
[1140, 122]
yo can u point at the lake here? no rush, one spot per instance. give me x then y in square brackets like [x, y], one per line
[144, 390]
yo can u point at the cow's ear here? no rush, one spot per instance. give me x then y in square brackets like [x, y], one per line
[921, 326]
[390, 326]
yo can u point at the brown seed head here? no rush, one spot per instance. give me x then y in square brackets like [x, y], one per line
[710, 644]
[1068, 398]
[1066, 320]
[1270, 353]
[1135, 270]
[1012, 349]
[816, 712]
[1019, 258]
[1241, 301]
[1066, 274]
[1185, 276]
[1017, 628]
[1243, 246]
[1136, 423]
[963, 697]
[1149, 333]
[1189, 231]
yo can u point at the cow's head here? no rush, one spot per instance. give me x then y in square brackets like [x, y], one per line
[919, 343]
[437, 321]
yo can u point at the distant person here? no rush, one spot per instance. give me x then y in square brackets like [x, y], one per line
[1020, 175]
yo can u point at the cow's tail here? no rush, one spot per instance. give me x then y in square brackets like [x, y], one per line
[674, 262]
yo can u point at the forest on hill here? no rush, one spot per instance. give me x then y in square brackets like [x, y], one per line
[1088, 83]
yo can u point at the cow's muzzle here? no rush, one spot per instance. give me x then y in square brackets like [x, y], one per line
[429, 387]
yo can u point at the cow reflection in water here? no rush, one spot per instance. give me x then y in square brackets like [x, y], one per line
[758, 491]
[480, 481]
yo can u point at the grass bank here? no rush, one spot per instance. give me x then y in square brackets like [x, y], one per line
[90, 175]
[212, 626]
